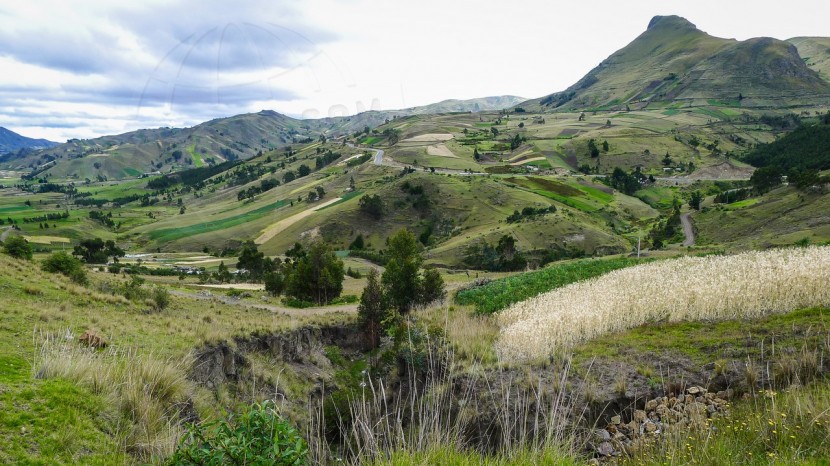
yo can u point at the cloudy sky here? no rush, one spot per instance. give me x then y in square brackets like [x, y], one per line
[85, 68]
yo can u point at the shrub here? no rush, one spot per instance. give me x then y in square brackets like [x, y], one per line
[18, 247]
[257, 436]
[63, 263]
[160, 297]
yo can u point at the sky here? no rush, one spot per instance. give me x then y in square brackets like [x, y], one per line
[81, 69]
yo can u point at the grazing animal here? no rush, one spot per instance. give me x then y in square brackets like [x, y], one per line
[92, 339]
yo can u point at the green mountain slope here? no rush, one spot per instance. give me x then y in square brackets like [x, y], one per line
[674, 62]
[238, 137]
[816, 53]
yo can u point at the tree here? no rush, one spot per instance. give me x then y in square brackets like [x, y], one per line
[320, 192]
[605, 146]
[667, 160]
[476, 155]
[304, 170]
[358, 243]
[432, 287]
[318, 276]
[288, 177]
[592, 148]
[582, 116]
[373, 309]
[222, 274]
[695, 200]
[18, 247]
[63, 263]
[274, 283]
[98, 251]
[766, 178]
[371, 205]
[495, 131]
[251, 260]
[400, 279]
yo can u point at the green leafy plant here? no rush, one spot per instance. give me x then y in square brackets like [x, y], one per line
[258, 436]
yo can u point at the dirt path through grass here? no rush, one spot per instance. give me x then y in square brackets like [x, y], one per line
[290, 311]
[278, 227]
[688, 231]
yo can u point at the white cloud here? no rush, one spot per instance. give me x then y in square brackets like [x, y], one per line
[84, 68]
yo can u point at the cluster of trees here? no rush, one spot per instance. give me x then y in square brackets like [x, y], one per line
[326, 159]
[102, 218]
[517, 141]
[190, 177]
[503, 257]
[799, 155]
[666, 229]
[403, 285]
[627, 183]
[264, 186]
[314, 275]
[529, 212]
[98, 251]
[47, 217]
[371, 205]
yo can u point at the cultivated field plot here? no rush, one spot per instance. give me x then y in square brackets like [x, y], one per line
[746, 285]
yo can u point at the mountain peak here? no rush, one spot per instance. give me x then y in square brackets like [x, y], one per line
[673, 22]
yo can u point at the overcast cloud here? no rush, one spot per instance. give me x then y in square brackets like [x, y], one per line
[72, 68]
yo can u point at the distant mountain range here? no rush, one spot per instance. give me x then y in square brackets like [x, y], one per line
[674, 63]
[11, 142]
[237, 137]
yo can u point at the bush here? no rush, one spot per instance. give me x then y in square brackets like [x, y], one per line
[63, 263]
[257, 436]
[18, 247]
[160, 297]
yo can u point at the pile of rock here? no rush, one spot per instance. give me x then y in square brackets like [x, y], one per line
[660, 415]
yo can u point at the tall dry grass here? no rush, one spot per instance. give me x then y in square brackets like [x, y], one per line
[745, 285]
[441, 411]
[148, 396]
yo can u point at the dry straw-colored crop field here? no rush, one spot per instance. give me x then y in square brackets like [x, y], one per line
[745, 285]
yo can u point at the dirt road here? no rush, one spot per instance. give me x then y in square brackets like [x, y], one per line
[290, 311]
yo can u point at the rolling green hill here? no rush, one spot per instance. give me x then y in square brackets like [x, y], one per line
[816, 53]
[132, 154]
[674, 62]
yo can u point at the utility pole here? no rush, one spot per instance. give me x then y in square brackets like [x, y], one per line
[638, 247]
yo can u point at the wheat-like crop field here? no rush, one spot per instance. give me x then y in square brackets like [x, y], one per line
[745, 285]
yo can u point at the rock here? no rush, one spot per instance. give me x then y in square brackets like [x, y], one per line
[605, 449]
[602, 435]
[650, 428]
[616, 420]
[693, 390]
[650, 405]
[639, 416]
